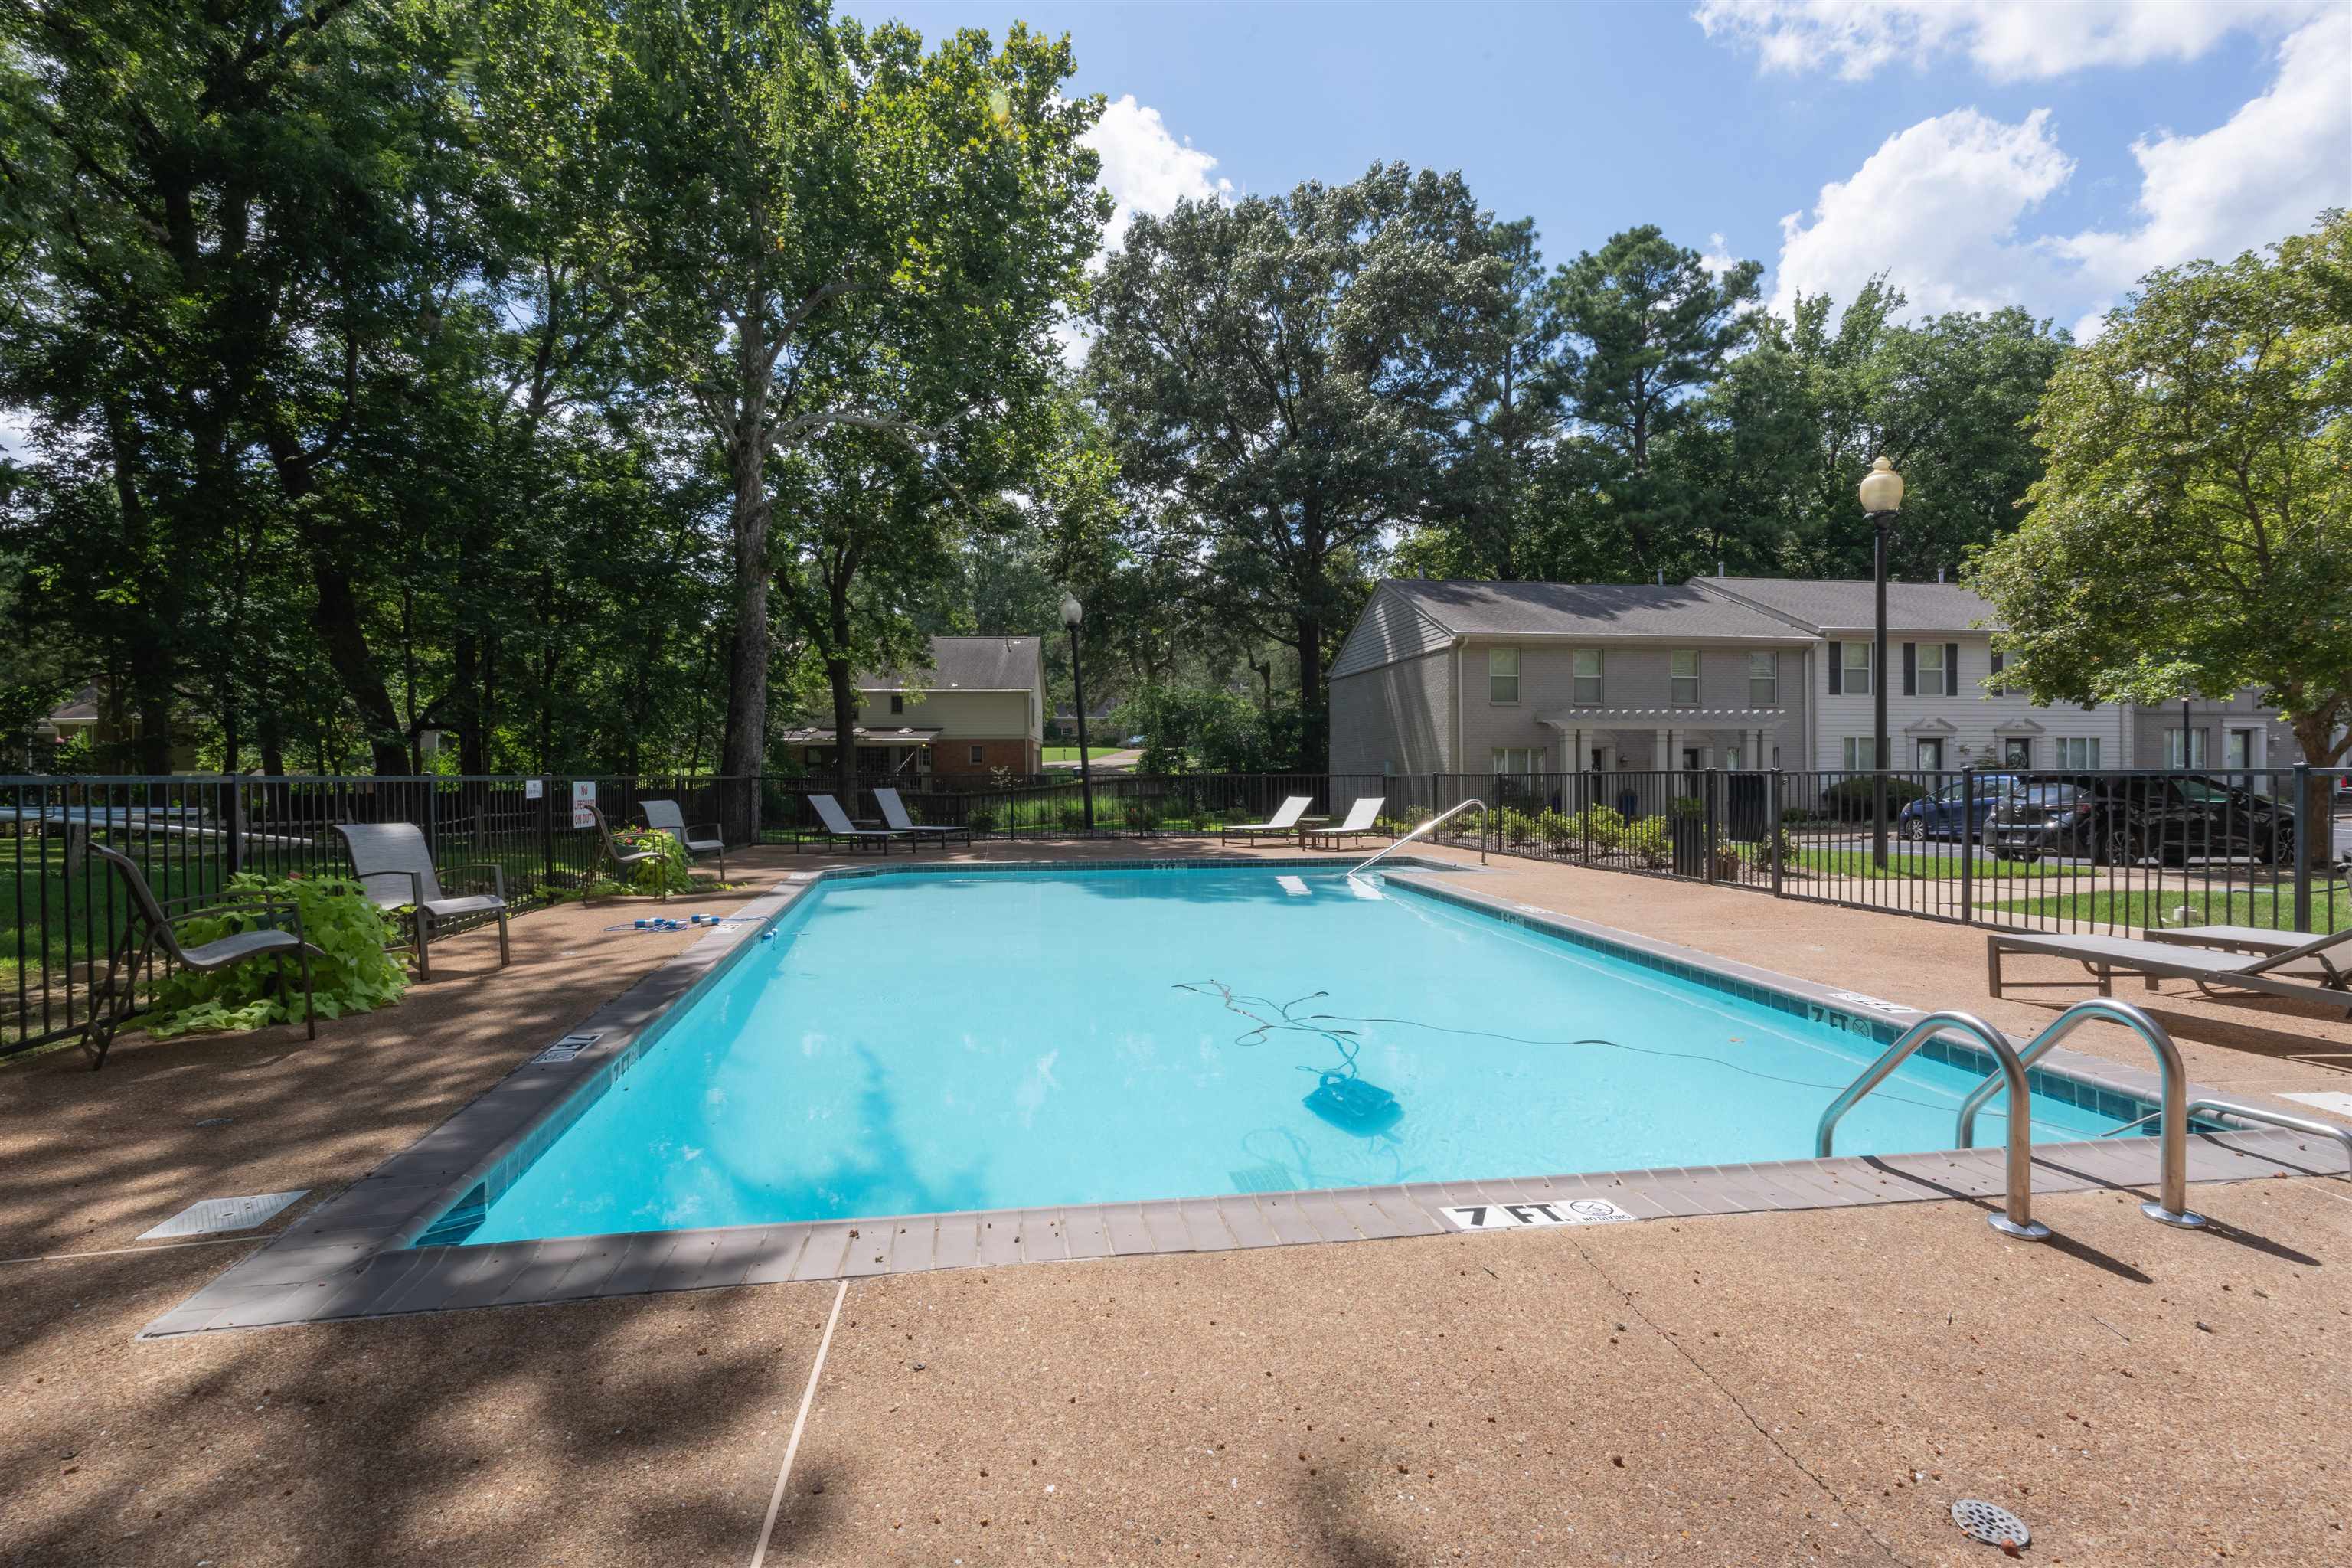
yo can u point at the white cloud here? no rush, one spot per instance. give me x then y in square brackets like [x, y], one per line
[1937, 208]
[2008, 39]
[1719, 258]
[2264, 173]
[1144, 168]
[1941, 206]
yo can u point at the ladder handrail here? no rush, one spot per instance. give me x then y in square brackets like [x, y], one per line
[2172, 1097]
[1402, 840]
[2018, 1203]
[2335, 1129]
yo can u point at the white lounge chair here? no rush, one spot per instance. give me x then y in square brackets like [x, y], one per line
[894, 811]
[2260, 939]
[839, 829]
[701, 838]
[394, 865]
[1284, 822]
[1362, 819]
[2105, 956]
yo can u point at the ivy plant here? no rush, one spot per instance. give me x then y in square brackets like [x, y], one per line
[352, 974]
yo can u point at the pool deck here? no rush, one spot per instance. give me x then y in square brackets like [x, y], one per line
[1738, 1387]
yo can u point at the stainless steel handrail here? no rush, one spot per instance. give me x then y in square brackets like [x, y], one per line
[2018, 1203]
[2342, 1134]
[1408, 837]
[2172, 1097]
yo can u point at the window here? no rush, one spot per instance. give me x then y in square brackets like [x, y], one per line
[2172, 754]
[1860, 753]
[1585, 665]
[2078, 752]
[1682, 677]
[1934, 679]
[1502, 675]
[1518, 761]
[978, 755]
[897, 703]
[1856, 671]
[2240, 751]
[1931, 756]
[1763, 680]
[1731, 758]
[2017, 753]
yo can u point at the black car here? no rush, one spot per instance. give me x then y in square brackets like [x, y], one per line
[2128, 819]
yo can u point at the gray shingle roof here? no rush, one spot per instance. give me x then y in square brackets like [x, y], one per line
[1598, 610]
[1845, 606]
[968, 664]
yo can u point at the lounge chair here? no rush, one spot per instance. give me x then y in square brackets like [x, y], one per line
[1284, 822]
[394, 865]
[2260, 939]
[114, 999]
[894, 811]
[664, 816]
[1362, 819]
[608, 849]
[839, 829]
[2105, 956]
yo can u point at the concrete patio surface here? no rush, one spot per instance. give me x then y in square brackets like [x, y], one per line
[1762, 1388]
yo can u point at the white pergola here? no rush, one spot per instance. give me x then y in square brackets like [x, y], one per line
[1664, 724]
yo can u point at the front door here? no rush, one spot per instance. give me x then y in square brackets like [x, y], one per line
[2017, 753]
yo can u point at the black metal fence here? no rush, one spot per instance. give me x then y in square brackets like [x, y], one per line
[2108, 851]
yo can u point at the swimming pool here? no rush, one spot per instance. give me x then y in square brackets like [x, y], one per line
[936, 1042]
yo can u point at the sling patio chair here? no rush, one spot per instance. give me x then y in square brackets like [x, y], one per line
[1283, 823]
[395, 866]
[1363, 818]
[839, 829]
[276, 930]
[701, 838]
[894, 811]
[609, 848]
[2274, 975]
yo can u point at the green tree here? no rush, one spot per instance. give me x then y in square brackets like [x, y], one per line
[2192, 533]
[1278, 376]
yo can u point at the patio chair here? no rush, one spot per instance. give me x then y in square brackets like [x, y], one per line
[894, 811]
[1362, 819]
[2260, 940]
[664, 816]
[1283, 823]
[2105, 956]
[608, 849]
[395, 866]
[839, 829]
[114, 1000]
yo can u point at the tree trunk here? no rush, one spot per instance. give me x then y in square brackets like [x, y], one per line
[746, 752]
[842, 679]
[336, 616]
[1314, 719]
[2314, 813]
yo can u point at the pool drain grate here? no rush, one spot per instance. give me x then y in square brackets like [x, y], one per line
[210, 1216]
[1991, 1523]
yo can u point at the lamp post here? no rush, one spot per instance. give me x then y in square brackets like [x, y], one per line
[1073, 613]
[1882, 498]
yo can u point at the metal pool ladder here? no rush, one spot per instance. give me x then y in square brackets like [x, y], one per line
[2018, 1218]
[1403, 838]
[2171, 1206]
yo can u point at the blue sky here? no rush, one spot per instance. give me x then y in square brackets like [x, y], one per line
[1983, 151]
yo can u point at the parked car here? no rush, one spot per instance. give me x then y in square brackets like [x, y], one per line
[1941, 815]
[2130, 818]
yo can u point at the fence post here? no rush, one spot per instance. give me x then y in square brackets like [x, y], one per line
[1712, 775]
[547, 835]
[1773, 832]
[1968, 844]
[2306, 823]
[235, 826]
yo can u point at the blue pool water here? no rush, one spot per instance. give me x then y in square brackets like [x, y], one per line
[918, 1043]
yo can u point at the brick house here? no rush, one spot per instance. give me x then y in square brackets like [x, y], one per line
[979, 707]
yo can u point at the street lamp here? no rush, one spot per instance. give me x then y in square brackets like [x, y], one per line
[1073, 613]
[1882, 498]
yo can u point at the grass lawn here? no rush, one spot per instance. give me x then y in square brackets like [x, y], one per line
[1070, 753]
[2272, 909]
[1941, 863]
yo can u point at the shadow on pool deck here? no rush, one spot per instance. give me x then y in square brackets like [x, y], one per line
[1771, 1383]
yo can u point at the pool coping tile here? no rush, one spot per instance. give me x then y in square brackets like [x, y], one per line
[357, 1254]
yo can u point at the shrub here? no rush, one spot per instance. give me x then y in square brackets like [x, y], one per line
[1650, 840]
[354, 974]
[1072, 816]
[1143, 816]
[1848, 800]
[980, 819]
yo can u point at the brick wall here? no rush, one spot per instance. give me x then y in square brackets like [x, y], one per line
[1021, 755]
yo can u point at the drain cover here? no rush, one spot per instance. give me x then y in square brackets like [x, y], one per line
[207, 1216]
[1991, 1523]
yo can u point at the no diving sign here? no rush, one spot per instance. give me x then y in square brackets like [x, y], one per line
[1510, 1216]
